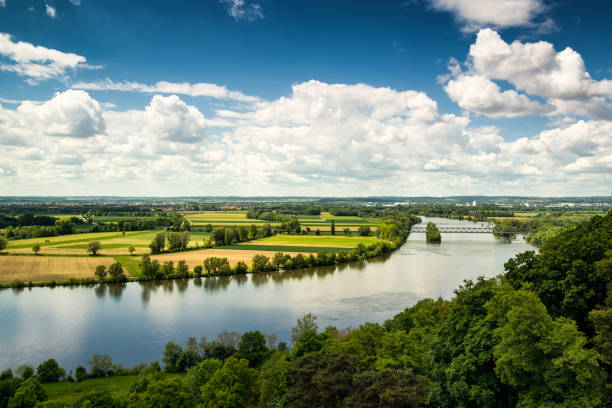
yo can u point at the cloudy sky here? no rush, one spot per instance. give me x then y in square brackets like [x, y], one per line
[305, 97]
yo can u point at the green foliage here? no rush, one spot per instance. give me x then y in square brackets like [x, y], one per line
[172, 353]
[386, 389]
[306, 323]
[94, 247]
[116, 273]
[101, 398]
[252, 347]
[545, 360]
[260, 263]
[273, 380]
[35, 248]
[462, 353]
[182, 270]
[150, 269]
[217, 266]
[49, 371]
[3, 243]
[100, 272]
[432, 234]
[27, 395]
[80, 374]
[202, 373]
[564, 274]
[158, 243]
[229, 386]
[100, 366]
[321, 380]
[160, 392]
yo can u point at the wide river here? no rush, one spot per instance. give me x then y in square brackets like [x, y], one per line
[132, 322]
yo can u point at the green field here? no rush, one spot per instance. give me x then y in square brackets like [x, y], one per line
[69, 391]
[283, 248]
[314, 240]
[67, 239]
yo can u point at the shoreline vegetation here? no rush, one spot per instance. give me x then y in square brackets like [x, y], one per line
[535, 336]
[391, 233]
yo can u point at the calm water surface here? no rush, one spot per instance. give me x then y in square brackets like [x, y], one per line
[133, 322]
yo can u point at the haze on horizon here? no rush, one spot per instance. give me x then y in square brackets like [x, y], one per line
[305, 98]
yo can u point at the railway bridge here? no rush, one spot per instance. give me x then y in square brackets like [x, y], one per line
[464, 230]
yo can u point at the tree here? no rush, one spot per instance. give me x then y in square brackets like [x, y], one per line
[545, 360]
[321, 380]
[25, 371]
[158, 243]
[167, 269]
[27, 395]
[172, 353]
[131, 249]
[167, 393]
[3, 243]
[229, 386]
[100, 272]
[197, 271]
[93, 247]
[101, 365]
[36, 248]
[182, 270]
[252, 347]
[364, 231]
[218, 235]
[97, 398]
[80, 373]
[260, 263]
[273, 380]
[64, 226]
[252, 232]
[202, 373]
[278, 260]
[347, 232]
[432, 234]
[333, 227]
[49, 371]
[116, 273]
[150, 269]
[387, 389]
[307, 322]
[240, 268]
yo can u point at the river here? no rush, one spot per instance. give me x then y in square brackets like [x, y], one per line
[132, 322]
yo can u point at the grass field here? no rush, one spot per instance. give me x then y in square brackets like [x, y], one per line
[113, 243]
[336, 241]
[284, 248]
[48, 268]
[68, 391]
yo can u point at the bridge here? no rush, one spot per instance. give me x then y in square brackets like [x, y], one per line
[464, 230]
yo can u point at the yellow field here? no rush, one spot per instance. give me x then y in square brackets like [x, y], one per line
[47, 268]
[194, 258]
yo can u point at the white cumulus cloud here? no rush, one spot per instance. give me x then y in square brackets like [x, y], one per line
[320, 139]
[475, 14]
[37, 62]
[534, 70]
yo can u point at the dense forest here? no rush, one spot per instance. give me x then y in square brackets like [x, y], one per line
[537, 336]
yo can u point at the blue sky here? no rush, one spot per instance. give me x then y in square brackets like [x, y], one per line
[423, 97]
